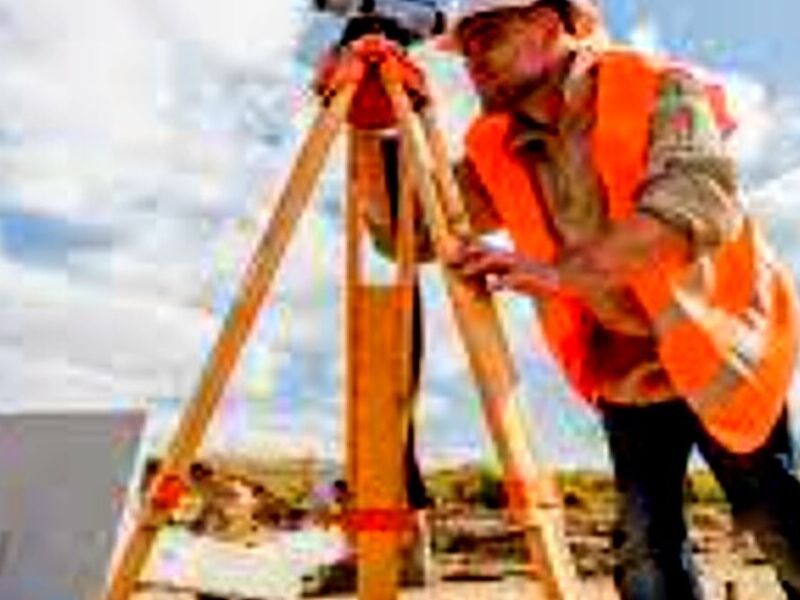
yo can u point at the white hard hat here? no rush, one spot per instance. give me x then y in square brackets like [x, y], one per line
[586, 15]
[461, 9]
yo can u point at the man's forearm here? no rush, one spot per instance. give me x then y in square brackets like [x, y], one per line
[614, 256]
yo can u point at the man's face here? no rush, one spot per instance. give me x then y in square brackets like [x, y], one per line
[509, 52]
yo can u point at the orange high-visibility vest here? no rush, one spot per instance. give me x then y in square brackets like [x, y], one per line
[724, 322]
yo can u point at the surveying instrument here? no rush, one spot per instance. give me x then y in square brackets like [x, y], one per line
[371, 88]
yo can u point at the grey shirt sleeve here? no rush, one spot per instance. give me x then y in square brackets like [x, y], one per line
[691, 179]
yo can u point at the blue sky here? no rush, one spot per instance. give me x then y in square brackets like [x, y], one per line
[141, 146]
[734, 35]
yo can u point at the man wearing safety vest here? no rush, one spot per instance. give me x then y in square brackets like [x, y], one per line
[656, 293]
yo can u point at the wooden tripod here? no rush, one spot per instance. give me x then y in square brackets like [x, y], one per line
[374, 411]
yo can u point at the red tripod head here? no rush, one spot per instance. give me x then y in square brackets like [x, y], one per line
[362, 61]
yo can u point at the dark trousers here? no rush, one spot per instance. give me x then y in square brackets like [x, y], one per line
[650, 448]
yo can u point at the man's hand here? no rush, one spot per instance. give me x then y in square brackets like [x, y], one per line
[504, 270]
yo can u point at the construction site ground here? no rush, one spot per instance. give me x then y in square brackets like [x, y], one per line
[476, 557]
[754, 583]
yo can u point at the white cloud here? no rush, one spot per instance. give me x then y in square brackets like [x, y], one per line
[160, 123]
[767, 140]
[65, 343]
[169, 125]
[254, 32]
[777, 199]
[645, 36]
[88, 70]
[103, 127]
[766, 119]
[750, 103]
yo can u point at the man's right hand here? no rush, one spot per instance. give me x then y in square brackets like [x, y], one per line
[500, 269]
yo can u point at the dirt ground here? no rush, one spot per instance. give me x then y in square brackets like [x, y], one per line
[504, 590]
[753, 583]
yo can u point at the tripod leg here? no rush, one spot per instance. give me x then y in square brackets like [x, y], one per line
[379, 429]
[379, 348]
[450, 195]
[494, 372]
[237, 326]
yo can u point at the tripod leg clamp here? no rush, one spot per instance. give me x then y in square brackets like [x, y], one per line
[167, 493]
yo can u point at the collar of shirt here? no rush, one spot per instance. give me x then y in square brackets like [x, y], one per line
[577, 89]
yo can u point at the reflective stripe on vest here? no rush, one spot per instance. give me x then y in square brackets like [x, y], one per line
[725, 324]
[726, 328]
